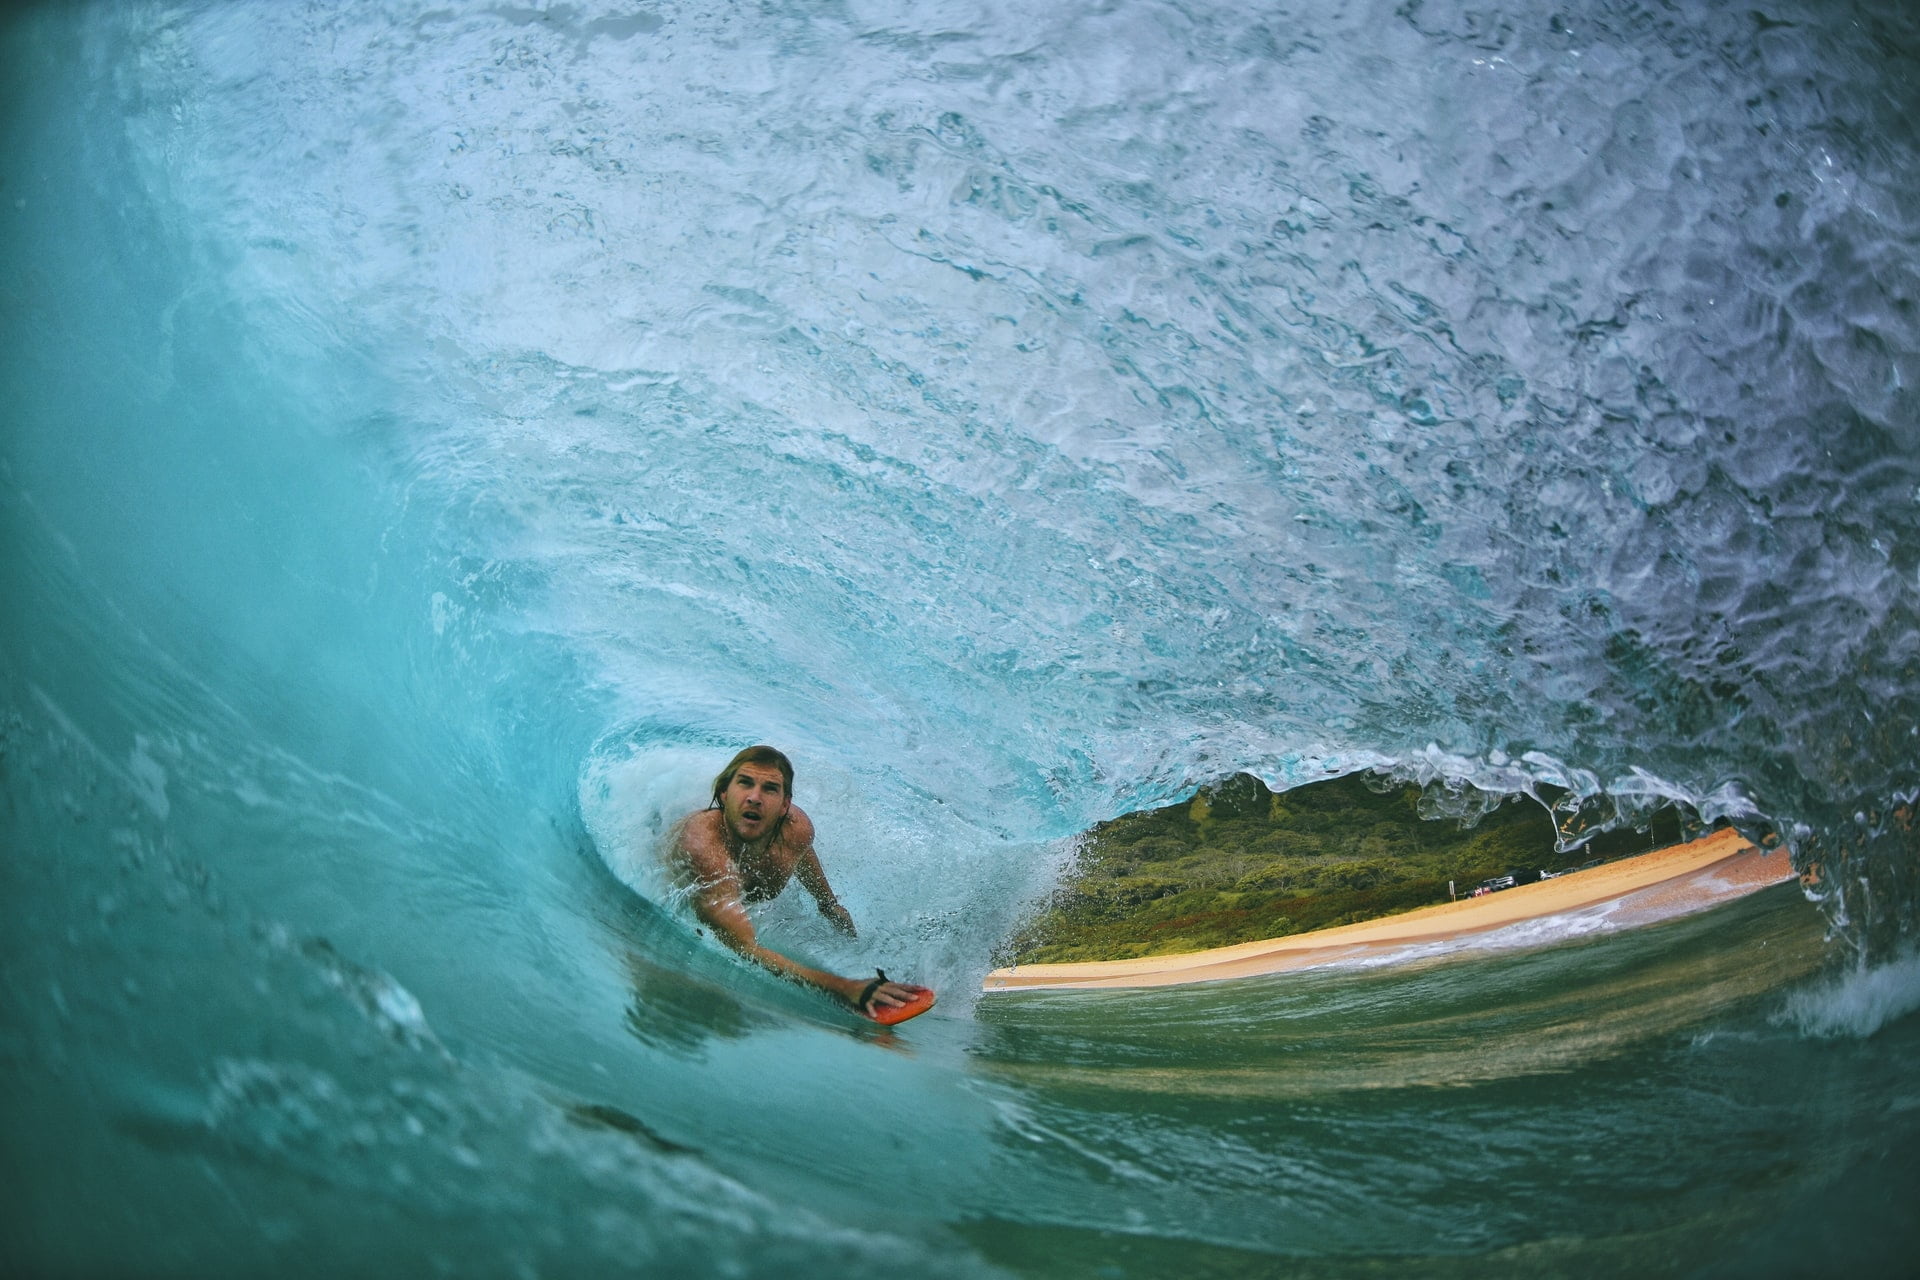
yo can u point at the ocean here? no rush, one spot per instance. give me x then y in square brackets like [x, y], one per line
[437, 437]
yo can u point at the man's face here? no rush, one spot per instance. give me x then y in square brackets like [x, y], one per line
[754, 800]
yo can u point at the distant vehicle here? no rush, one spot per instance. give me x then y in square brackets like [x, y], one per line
[1494, 884]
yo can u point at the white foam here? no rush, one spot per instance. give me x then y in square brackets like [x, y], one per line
[1859, 1002]
[629, 801]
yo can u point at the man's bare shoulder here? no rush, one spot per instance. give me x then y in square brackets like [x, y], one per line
[697, 837]
[798, 830]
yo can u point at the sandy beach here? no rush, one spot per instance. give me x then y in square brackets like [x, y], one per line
[1632, 891]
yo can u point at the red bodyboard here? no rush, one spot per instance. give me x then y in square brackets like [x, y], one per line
[921, 1002]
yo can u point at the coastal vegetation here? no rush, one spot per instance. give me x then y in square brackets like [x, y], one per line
[1238, 862]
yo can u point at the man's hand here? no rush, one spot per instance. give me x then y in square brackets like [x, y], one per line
[840, 917]
[885, 996]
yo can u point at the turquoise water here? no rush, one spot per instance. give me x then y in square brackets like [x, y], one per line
[436, 437]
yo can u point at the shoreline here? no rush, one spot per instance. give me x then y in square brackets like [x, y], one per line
[1675, 881]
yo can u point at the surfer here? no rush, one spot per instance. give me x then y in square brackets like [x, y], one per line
[744, 847]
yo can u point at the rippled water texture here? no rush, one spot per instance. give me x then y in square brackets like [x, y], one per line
[435, 438]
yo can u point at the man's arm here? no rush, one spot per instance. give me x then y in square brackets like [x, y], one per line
[717, 901]
[814, 877]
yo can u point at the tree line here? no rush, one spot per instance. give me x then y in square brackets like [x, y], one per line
[1238, 862]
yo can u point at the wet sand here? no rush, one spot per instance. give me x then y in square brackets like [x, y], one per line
[1632, 891]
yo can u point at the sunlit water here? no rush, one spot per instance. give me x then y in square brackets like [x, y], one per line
[435, 438]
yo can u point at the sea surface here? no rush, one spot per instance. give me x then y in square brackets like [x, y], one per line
[433, 438]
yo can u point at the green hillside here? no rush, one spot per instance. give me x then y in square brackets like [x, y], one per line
[1238, 863]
